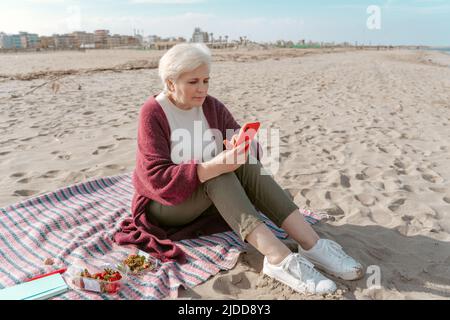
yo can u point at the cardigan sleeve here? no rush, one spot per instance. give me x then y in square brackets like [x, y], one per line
[158, 177]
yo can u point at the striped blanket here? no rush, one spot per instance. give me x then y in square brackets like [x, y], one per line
[75, 225]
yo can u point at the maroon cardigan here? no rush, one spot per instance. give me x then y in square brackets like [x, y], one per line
[157, 178]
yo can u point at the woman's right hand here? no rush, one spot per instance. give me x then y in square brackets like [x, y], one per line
[232, 157]
[227, 161]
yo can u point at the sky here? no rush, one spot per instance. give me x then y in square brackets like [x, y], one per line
[390, 22]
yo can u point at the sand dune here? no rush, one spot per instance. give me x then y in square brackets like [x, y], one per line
[364, 135]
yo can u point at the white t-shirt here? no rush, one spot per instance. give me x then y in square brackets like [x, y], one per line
[190, 135]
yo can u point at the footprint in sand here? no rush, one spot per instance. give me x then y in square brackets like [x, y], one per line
[361, 176]
[345, 181]
[396, 204]
[407, 218]
[431, 178]
[285, 154]
[102, 148]
[378, 185]
[24, 180]
[4, 153]
[24, 193]
[438, 190]
[366, 199]
[113, 166]
[399, 164]
[231, 284]
[382, 149]
[446, 199]
[65, 156]
[304, 192]
[407, 188]
[17, 174]
[50, 174]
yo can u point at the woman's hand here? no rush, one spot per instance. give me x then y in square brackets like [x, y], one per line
[230, 144]
[227, 161]
[232, 157]
[253, 145]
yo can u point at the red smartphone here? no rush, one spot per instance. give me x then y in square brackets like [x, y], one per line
[247, 133]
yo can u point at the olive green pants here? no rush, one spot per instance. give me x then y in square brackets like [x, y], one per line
[234, 195]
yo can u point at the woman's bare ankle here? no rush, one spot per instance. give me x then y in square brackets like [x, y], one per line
[277, 259]
[306, 245]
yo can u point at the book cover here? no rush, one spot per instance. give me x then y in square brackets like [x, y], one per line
[38, 289]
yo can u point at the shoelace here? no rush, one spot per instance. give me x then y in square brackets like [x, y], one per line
[299, 260]
[336, 248]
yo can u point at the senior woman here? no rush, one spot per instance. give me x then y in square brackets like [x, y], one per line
[180, 175]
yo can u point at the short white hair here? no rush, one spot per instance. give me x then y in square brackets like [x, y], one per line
[181, 58]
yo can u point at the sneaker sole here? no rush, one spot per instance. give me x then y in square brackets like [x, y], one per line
[359, 274]
[287, 284]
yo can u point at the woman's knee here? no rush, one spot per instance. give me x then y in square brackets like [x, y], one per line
[223, 179]
[223, 184]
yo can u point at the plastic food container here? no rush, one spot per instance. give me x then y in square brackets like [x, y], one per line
[101, 279]
[138, 263]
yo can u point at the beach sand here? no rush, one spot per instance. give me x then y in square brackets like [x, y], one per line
[364, 135]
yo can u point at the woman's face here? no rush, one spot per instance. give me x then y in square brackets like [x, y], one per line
[190, 89]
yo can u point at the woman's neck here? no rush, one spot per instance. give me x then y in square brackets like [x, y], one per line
[169, 96]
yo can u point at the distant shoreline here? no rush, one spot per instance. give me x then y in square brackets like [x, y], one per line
[441, 49]
[252, 45]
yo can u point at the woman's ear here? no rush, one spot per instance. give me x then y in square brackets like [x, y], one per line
[170, 86]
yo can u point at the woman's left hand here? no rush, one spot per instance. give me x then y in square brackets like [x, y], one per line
[230, 144]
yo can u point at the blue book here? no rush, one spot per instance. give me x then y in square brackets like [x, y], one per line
[38, 289]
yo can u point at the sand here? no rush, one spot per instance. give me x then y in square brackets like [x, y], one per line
[365, 135]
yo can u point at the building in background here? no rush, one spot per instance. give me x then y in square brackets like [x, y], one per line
[6, 41]
[23, 40]
[83, 39]
[128, 41]
[29, 40]
[151, 39]
[47, 42]
[200, 36]
[113, 41]
[64, 41]
[100, 38]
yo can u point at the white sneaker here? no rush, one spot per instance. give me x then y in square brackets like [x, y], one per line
[299, 274]
[328, 256]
